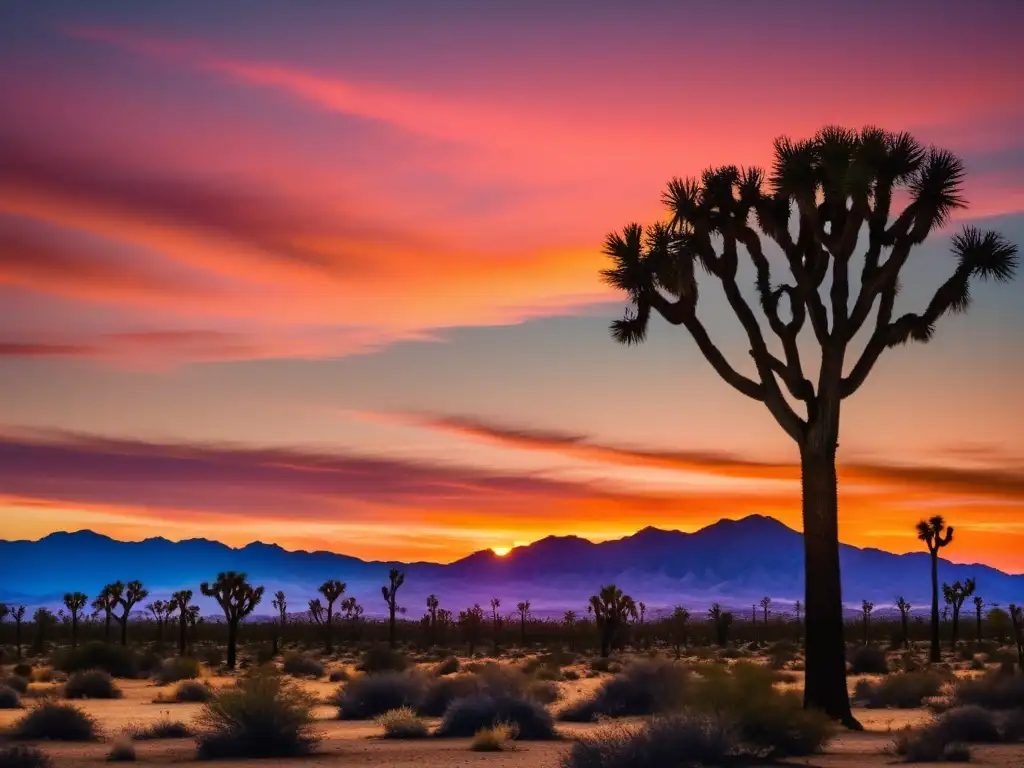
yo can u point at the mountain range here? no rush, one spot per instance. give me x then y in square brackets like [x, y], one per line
[734, 562]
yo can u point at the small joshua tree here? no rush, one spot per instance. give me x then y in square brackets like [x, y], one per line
[866, 608]
[390, 592]
[798, 609]
[931, 533]
[524, 613]
[280, 604]
[132, 594]
[955, 594]
[904, 608]
[159, 610]
[18, 614]
[180, 602]
[612, 609]
[569, 622]
[721, 620]
[495, 622]
[353, 611]
[433, 606]
[75, 602]
[766, 603]
[237, 598]
[106, 601]
[678, 623]
[332, 589]
[471, 622]
[979, 604]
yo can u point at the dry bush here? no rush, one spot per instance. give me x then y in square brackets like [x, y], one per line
[496, 738]
[464, 717]
[402, 723]
[869, 660]
[302, 665]
[9, 698]
[161, 729]
[122, 751]
[370, 696]
[23, 756]
[643, 688]
[54, 721]
[91, 684]
[178, 668]
[905, 690]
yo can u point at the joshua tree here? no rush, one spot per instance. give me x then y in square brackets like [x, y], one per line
[838, 184]
[524, 614]
[324, 616]
[998, 623]
[979, 603]
[495, 621]
[75, 602]
[396, 579]
[930, 532]
[721, 620]
[612, 609]
[158, 608]
[19, 616]
[955, 594]
[433, 605]
[280, 604]
[194, 620]
[471, 623]
[766, 603]
[352, 610]
[569, 621]
[866, 608]
[678, 623]
[237, 598]
[43, 619]
[904, 608]
[106, 601]
[132, 594]
[798, 609]
[180, 602]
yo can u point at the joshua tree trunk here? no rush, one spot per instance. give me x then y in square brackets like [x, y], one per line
[935, 655]
[232, 643]
[606, 640]
[977, 634]
[825, 655]
[74, 629]
[956, 628]
[106, 628]
[392, 639]
[183, 634]
[124, 631]
[904, 629]
[17, 635]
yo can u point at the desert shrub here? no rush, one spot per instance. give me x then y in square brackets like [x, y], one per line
[302, 665]
[42, 674]
[544, 691]
[373, 695]
[682, 739]
[600, 664]
[162, 729]
[402, 723]
[22, 669]
[115, 660]
[177, 668]
[441, 692]
[497, 738]
[733, 653]
[122, 751]
[190, 692]
[643, 688]
[1012, 726]
[571, 675]
[869, 660]
[781, 654]
[211, 655]
[969, 724]
[464, 717]
[382, 658]
[91, 684]
[928, 745]
[905, 690]
[9, 698]
[55, 722]
[993, 691]
[262, 715]
[17, 682]
[448, 666]
[549, 674]
[339, 675]
[23, 756]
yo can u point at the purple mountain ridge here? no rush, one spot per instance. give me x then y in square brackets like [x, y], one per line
[733, 562]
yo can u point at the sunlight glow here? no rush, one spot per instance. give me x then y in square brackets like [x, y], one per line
[501, 551]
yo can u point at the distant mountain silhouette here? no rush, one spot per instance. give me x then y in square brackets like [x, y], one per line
[734, 562]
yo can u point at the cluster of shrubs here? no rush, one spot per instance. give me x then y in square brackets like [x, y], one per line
[115, 660]
[869, 660]
[91, 684]
[23, 756]
[642, 688]
[54, 721]
[187, 692]
[178, 668]
[904, 690]
[302, 665]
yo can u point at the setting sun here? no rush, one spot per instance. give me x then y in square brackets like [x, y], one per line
[501, 551]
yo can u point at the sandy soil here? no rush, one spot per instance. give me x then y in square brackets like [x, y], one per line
[359, 743]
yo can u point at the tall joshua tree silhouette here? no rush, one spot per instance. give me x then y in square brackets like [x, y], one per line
[955, 594]
[105, 603]
[237, 598]
[979, 604]
[836, 184]
[75, 602]
[904, 608]
[159, 609]
[569, 622]
[866, 608]
[612, 609]
[180, 602]
[332, 589]
[279, 604]
[721, 620]
[132, 594]
[390, 592]
[930, 532]
[524, 613]
[766, 605]
[495, 622]
[18, 614]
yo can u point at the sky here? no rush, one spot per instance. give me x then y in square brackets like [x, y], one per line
[327, 274]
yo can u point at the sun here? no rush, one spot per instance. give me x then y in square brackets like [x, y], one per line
[501, 551]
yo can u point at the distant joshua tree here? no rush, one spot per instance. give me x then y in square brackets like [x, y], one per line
[766, 603]
[524, 613]
[353, 611]
[721, 620]
[495, 622]
[866, 608]
[471, 623]
[158, 609]
[396, 578]
[180, 602]
[612, 609]
[19, 615]
[44, 620]
[237, 598]
[836, 185]
[955, 594]
[331, 589]
[569, 622]
[798, 609]
[930, 532]
[678, 624]
[979, 604]
[105, 602]
[75, 602]
[433, 606]
[279, 604]
[904, 608]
